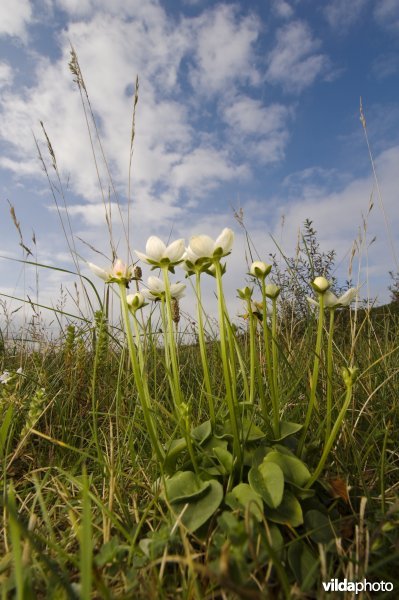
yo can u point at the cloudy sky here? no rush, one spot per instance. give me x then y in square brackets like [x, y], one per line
[242, 105]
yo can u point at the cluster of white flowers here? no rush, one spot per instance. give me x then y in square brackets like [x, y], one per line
[200, 255]
[201, 252]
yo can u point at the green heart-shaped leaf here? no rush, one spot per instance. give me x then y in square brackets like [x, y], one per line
[246, 497]
[267, 480]
[295, 471]
[250, 431]
[200, 509]
[202, 433]
[289, 511]
[225, 458]
[288, 428]
[185, 486]
[175, 448]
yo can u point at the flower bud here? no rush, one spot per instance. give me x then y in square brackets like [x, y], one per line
[321, 285]
[260, 269]
[349, 375]
[211, 270]
[135, 301]
[245, 292]
[272, 290]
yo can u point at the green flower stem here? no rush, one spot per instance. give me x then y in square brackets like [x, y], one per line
[252, 351]
[275, 354]
[226, 368]
[170, 339]
[204, 359]
[176, 389]
[233, 344]
[329, 375]
[140, 352]
[259, 376]
[315, 376]
[166, 345]
[333, 434]
[270, 376]
[144, 397]
[139, 345]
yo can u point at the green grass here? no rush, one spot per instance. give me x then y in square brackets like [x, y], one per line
[81, 516]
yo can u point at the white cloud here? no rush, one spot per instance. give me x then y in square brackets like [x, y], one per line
[224, 52]
[6, 74]
[282, 9]
[202, 169]
[386, 13]
[312, 181]
[263, 129]
[295, 63]
[173, 156]
[341, 14]
[14, 17]
[121, 8]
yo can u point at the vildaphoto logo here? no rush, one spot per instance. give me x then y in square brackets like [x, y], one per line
[335, 585]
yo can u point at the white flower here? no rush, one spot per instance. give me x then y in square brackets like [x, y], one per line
[120, 270]
[331, 300]
[203, 247]
[159, 255]
[5, 377]
[156, 289]
[260, 269]
[119, 273]
[135, 301]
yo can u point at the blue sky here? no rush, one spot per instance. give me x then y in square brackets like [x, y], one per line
[241, 104]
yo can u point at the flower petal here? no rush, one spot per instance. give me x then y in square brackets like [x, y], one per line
[330, 299]
[105, 275]
[201, 246]
[148, 295]
[119, 269]
[311, 301]
[142, 256]
[177, 290]
[190, 255]
[155, 248]
[175, 250]
[155, 284]
[225, 240]
[348, 297]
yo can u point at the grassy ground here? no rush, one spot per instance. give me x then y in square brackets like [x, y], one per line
[81, 515]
